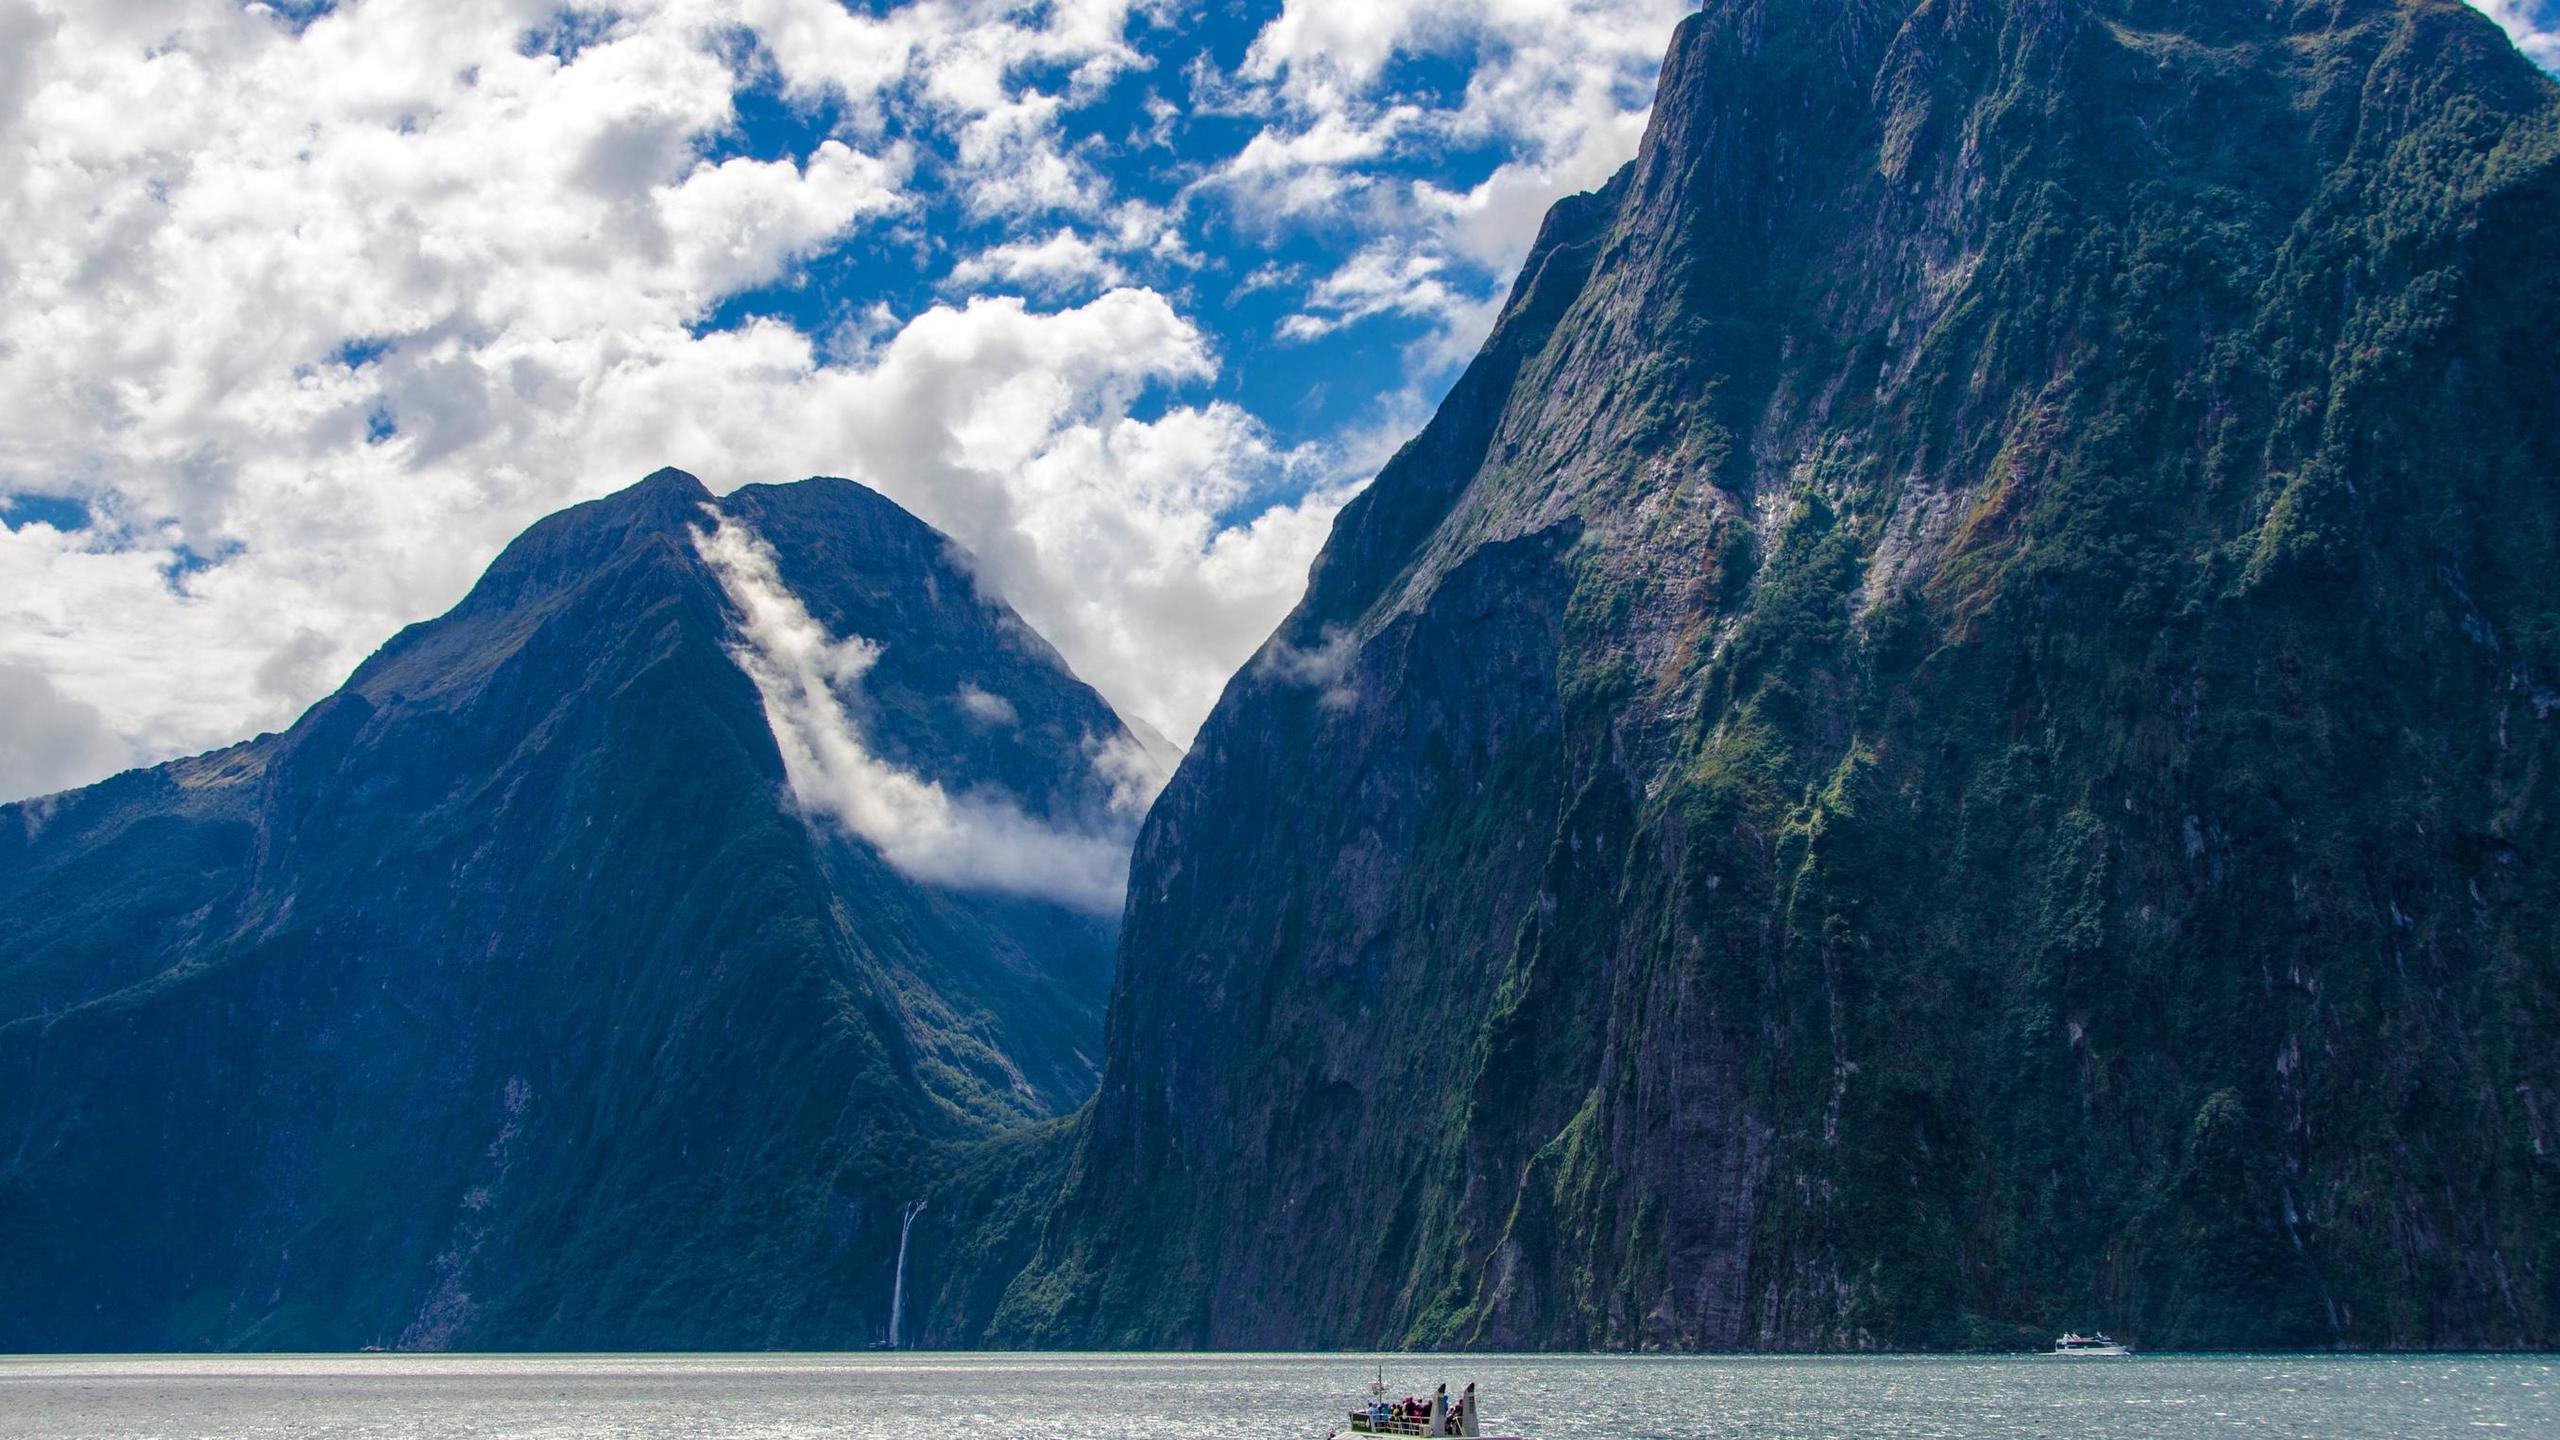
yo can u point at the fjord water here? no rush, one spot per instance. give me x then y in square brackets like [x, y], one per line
[1101, 1397]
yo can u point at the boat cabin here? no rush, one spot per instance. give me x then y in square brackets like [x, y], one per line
[1438, 1415]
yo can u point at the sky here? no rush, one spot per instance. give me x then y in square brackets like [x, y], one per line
[306, 308]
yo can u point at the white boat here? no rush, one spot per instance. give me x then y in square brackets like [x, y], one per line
[2089, 1347]
[1437, 1416]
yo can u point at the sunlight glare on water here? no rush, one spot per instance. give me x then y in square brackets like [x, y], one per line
[1091, 1397]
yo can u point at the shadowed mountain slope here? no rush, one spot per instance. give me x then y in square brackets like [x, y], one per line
[509, 999]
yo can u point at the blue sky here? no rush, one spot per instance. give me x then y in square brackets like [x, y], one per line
[314, 306]
[1157, 132]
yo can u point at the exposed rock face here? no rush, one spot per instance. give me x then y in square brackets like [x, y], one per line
[509, 999]
[1950, 733]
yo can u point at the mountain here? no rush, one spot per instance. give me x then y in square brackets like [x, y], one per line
[541, 988]
[1948, 734]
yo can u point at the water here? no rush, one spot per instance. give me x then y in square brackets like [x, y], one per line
[1090, 1397]
[898, 1293]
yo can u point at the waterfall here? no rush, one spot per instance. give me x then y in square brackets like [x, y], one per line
[898, 1291]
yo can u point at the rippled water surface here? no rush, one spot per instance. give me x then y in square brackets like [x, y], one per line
[419, 1397]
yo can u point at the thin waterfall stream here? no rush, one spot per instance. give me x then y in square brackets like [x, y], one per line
[898, 1290]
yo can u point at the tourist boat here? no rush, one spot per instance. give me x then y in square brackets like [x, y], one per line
[2089, 1347]
[1411, 1416]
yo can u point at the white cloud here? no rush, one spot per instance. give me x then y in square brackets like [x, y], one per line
[1061, 262]
[1011, 431]
[2534, 24]
[1327, 667]
[1378, 280]
[972, 841]
[988, 708]
[54, 742]
[1137, 771]
[1310, 167]
[968, 60]
[1562, 88]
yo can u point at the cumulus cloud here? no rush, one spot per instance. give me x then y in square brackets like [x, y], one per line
[1379, 279]
[1063, 261]
[1004, 138]
[1009, 431]
[1154, 552]
[54, 742]
[1312, 165]
[2534, 24]
[1561, 88]
[972, 841]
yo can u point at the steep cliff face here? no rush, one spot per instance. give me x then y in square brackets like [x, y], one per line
[511, 999]
[1949, 734]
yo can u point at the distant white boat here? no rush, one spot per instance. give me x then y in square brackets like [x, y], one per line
[2090, 1347]
[1437, 1416]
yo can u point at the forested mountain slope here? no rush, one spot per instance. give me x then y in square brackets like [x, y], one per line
[512, 999]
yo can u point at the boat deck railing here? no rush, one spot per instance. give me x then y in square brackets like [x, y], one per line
[1363, 1424]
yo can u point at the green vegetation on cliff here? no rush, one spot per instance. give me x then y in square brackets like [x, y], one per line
[1949, 735]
